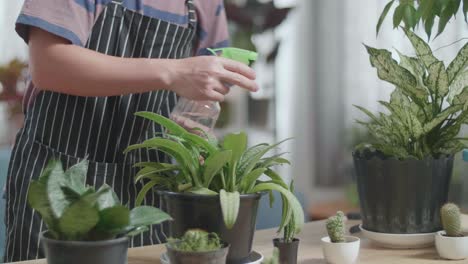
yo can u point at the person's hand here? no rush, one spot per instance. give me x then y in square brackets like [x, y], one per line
[206, 77]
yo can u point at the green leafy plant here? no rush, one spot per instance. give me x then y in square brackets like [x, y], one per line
[451, 220]
[205, 166]
[428, 107]
[288, 231]
[73, 211]
[413, 12]
[196, 240]
[336, 228]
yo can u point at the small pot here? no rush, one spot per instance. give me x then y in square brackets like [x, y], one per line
[208, 257]
[287, 251]
[454, 248]
[204, 212]
[341, 253]
[112, 251]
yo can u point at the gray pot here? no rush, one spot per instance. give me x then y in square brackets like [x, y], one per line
[90, 252]
[287, 251]
[401, 196]
[204, 211]
[209, 257]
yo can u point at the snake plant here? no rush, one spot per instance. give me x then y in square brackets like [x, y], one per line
[205, 166]
[73, 211]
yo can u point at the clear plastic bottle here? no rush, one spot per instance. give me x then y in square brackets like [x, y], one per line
[204, 114]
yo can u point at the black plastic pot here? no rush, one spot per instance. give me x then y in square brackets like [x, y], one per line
[209, 257]
[287, 251]
[402, 196]
[204, 212]
[78, 252]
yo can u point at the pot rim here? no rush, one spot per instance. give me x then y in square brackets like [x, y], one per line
[349, 240]
[77, 243]
[207, 196]
[375, 156]
[442, 234]
[281, 240]
[226, 246]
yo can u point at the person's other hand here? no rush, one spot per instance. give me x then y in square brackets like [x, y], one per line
[205, 77]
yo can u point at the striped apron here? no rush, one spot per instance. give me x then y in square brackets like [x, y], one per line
[100, 128]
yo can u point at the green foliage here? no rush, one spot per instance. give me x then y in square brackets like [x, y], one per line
[196, 240]
[73, 211]
[204, 166]
[428, 107]
[411, 13]
[451, 220]
[288, 232]
[274, 259]
[336, 228]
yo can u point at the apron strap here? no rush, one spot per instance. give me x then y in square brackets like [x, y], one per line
[192, 15]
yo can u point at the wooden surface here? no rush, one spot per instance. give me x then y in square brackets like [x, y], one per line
[310, 251]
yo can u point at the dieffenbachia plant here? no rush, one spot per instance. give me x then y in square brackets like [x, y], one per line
[73, 211]
[413, 12]
[204, 166]
[428, 106]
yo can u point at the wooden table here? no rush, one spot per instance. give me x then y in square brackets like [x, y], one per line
[310, 251]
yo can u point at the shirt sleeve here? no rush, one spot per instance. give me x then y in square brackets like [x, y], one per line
[212, 26]
[69, 19]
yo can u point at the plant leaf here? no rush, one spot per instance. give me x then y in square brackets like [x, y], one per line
[58, 200]
[147, 215]
[108, 198]
[450, 10]
[437, 81]
[368, 113]
[237, 143]
[202, 191]
[383, 15]
[76, 176]
[398, 15]
[422, 49]
[78, 219]
[39, 201]
[441, 118]
[459, 64]
[461, 99]
[170, 125]
[146, 188]
[248, 182]
[291, 199]
[151, 171]
[213, 164]
[137, 231]
[230, 202]
[113, 219]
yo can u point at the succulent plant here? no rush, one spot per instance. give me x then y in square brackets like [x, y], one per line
[73, 211]
[336, 228]
[450, 215]
[274, 259]
[196, 240]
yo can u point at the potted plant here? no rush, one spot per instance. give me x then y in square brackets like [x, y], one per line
[274, 259]
[288, 245]
[214, 186]
[403, 175]
[451, 243]
[197, 246]
[85, 225]
[338, 248]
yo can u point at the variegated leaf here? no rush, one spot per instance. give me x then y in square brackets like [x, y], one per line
[437, 80]
[441, 118]
[458, 64]
[462, 99]
[422, 49]
[389, 70]
[457, 85]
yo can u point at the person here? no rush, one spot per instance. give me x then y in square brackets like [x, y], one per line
[93, 64]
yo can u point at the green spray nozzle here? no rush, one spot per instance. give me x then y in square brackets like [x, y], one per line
[241, 55]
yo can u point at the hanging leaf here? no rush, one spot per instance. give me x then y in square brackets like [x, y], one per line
[230, 202]
[383, 15]
[423, 50]
[451, 9]
[398, 15]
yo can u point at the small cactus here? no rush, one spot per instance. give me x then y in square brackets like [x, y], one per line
[450, 215]
[196, 240]
[336, 228]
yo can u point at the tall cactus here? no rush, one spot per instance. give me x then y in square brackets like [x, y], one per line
[450, 215]
[336, 228]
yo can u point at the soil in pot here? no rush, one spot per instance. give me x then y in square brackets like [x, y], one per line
[90, 252]
[204, 211]
[208, 257]
[401, 196]
[287, 251]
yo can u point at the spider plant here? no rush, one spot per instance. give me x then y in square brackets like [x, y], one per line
[207, 167]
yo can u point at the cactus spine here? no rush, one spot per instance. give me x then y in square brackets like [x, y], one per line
[336, 228]
[450, 215]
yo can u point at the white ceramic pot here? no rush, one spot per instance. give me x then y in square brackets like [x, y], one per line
[454, 248]
[341, 253]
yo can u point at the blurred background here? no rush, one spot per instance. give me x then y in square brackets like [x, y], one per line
[312, 69]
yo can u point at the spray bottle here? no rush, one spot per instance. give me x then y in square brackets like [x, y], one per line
[204, 114]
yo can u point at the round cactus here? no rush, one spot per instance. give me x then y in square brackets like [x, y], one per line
[450, 216]
[336, 228]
